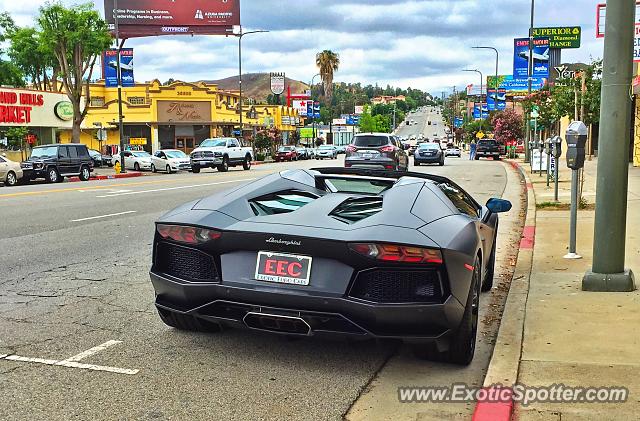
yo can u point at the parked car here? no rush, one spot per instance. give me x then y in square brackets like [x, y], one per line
[286, 153]
[377, 151]
[170, 160]
[56, 161]
[428, 153]
[311, 152]
[10, 172]
[99, 159]
[302, 153]
[341, 149]
[221, 153]
[453, 151]
[327, 151]
[349, 252]
[135, 160]
[488, 148]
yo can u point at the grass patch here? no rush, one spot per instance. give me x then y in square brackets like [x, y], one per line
[558, 206]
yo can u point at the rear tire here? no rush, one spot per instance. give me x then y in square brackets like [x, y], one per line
[246, 165]
[487, 283]
[463, 341]
[195, 169]
[441, 163]
[136, 166]
[189, 323]
[85, 173]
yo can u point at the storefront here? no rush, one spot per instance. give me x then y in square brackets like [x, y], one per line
[43, 114]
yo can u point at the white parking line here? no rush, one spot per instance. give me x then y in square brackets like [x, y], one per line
[72, 362]
[102, 216]
[174, 188]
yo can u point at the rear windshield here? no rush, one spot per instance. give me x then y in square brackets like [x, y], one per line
[370, 141]
[488, 142]
[429, 146]
[358, 186]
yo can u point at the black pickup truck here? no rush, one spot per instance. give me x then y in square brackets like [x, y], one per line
[488, 148]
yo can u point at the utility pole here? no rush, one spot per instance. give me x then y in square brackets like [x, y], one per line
[608, 272]
[119, 77]
[527, 152]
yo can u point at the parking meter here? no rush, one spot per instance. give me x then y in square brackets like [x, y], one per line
[576, 141]
[547, 146]
[556, 146]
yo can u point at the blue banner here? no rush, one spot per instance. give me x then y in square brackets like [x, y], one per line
[458, 122]
[352, 120]
[521, 58]
[496, 102]
[110, 68]
[476, 111]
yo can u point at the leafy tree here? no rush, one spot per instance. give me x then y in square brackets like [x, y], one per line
[10, 74]
[507, 126]
[262, 141]
[33, 58]
[295, 137]
[328, 62]
[15, 136]
[77, 36]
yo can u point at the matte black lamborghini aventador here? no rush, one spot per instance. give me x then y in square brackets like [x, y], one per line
[377, 254]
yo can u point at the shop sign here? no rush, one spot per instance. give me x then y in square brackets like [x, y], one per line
[64, 110]
[184, 111]
[137, 141]
[16, 107]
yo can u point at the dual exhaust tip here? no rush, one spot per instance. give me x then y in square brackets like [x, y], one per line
[277, 323]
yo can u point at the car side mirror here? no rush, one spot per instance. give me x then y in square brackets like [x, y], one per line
[498, 205]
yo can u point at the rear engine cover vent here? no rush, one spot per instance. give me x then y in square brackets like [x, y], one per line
[281, 202]
[356, 209]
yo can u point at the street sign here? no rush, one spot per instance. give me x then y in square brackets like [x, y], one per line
[536, 112]
[480, 135]
[561, 37]
[277, 83]
[137, 141]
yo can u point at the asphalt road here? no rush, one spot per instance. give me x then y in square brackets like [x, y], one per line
[422, 118]
[74, 275]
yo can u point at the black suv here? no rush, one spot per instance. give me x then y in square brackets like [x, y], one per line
[54, 162]
[377, 151]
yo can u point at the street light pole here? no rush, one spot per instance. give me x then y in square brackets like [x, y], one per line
[481, 86]
[313, 110]
[608, 273]
[527, 152]
[496, 84]
[240, 107]
[119, 78]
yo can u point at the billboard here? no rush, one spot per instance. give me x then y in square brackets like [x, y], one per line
[359, 109]
[561, 37]
[139, 18]
[476, 111]
[301, 106]
[521, 58]
[496, 102]
[458, 122]
[110, 68]
[475, 90]
[516, 87]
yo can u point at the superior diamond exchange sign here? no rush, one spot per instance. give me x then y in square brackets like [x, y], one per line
[561, 37]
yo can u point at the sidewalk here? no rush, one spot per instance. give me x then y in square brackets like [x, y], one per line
[581, 339]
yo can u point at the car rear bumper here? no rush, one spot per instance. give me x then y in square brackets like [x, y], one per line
[378, 163]
[427, 159]
[231, 306]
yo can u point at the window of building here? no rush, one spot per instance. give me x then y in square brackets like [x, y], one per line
[137, 100]
[97, 101]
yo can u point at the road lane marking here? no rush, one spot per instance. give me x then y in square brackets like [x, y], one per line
[102, 216]
[173, 188]
[72, 362]
[91, 351]
[162, 180]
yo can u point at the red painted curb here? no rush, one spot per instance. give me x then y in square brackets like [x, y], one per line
[528, 237]
[108, 177]
[493, 411]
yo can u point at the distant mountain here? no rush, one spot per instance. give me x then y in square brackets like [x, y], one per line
[257, 85]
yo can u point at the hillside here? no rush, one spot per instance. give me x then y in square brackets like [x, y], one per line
[256, 85]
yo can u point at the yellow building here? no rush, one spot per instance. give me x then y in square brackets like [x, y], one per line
[176, 116]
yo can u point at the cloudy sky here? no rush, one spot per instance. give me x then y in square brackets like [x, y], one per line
[422, 44]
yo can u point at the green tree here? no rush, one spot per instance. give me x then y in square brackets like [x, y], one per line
[77, 36]
[15, 136]
[10, 74]
[328, 62]
[33, 58]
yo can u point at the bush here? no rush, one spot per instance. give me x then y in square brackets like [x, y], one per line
[260, 156]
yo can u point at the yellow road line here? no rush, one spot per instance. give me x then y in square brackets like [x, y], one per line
[97, 188]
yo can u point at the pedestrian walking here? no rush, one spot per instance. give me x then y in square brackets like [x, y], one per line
[472, 150]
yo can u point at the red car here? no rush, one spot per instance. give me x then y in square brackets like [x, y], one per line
[286, 153]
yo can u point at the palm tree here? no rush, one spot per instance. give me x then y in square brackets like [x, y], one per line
[328, 63]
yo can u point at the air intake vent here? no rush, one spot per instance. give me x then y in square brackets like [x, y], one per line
[353, 210]
[281, 202]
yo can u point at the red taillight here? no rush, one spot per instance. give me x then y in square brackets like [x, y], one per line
[397, 253]
[188, 235]
[388, 148]
[351, 148]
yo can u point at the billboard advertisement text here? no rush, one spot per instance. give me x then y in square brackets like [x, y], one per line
[110, 68]
[516, 87]
[540, 54]
[138, 18]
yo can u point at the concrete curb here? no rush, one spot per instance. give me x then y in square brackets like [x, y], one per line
[502, 373]
[108, 177]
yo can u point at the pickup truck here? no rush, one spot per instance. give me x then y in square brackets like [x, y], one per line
[488, 148]
[220, 153]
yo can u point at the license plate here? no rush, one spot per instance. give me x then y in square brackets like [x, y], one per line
[283, 268]
[367, 155]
